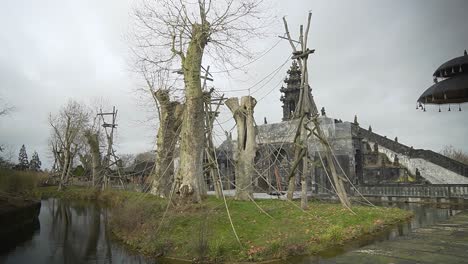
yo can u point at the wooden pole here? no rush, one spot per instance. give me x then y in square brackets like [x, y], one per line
[306, 109]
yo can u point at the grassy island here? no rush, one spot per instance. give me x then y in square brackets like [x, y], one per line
[203, 231]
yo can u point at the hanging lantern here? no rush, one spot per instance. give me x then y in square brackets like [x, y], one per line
[449, 108]
[459, 107]
[439, 109]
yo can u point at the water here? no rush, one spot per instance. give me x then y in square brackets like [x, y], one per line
[424, 215]
[77, 232]
[71, 232]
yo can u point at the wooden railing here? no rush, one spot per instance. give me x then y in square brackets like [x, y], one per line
[400, 190]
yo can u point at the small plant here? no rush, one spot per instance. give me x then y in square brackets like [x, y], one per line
[201, 246]
[333, 234]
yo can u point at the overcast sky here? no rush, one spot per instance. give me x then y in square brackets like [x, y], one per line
[373, 59]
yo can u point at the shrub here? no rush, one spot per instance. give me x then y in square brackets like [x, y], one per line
[16, 182]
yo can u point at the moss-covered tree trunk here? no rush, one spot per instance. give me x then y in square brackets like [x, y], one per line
[246, 145]
[190, 184]
[168, 133]
[93, 143]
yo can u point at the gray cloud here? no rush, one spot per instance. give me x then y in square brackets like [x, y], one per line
[373, 59]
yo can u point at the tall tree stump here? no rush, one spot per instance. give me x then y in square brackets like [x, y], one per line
[168, 133]
[246, 145]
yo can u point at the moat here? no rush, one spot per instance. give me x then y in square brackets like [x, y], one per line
[77, 232]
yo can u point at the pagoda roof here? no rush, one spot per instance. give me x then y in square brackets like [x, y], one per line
[452, 67]
[449, 91]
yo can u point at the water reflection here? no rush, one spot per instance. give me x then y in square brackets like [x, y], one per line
[424, 215]
[77, 232]
[71, 232]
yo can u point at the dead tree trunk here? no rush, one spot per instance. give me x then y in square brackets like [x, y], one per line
[93, 142]
[168, 133]
[190, 182]
[246, 145]
[65, 169]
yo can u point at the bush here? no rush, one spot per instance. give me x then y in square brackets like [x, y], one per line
[16, 182]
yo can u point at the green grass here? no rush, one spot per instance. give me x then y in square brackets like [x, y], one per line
[203, 231]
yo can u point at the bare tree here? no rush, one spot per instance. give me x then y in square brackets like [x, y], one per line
[169, 111]
[178, 32]
[456, 154]
[127, 160]
[67, 127]
[5, 109]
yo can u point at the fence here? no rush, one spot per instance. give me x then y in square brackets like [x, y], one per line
[423, 191]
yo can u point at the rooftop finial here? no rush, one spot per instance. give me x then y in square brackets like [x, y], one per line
[323, 111]
[465, 53]
[355, 120]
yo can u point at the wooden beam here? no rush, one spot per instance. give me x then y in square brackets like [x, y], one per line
[281, 37]
[303, 55]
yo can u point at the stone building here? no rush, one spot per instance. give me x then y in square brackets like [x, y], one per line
[363, 156]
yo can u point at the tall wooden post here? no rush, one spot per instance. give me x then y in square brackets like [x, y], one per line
[307, 112]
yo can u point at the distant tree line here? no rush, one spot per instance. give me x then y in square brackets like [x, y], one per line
[456, 154]
[34, 164]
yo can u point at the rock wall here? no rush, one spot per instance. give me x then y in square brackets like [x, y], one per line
[281, 136]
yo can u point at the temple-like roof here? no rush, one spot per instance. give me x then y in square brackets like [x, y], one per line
[453, 67]
[450, 83]
[449, 91]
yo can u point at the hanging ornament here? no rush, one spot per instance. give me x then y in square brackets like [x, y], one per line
[449, 108]
[439, 109]
[459, 107]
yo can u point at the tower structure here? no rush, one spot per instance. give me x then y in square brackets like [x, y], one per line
[291, 92]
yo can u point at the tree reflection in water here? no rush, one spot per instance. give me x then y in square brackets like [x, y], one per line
[71, 232]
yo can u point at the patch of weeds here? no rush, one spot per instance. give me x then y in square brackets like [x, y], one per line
[217, 250]
[333, 234]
